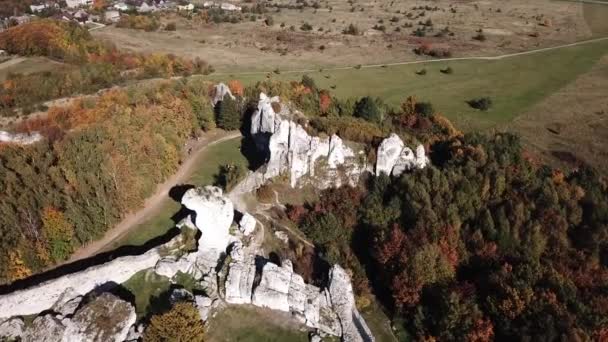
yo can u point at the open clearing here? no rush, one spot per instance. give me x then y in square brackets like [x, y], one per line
[571, 125]
[252, 44]
[251, 324]
[514, 84]
[26, 65]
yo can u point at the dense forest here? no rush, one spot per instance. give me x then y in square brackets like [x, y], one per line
[99, 160]
[87, 64]
[487, 243]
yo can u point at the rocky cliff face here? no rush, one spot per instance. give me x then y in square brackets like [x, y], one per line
[394, 158]
[105, 318]
[214, 215]
[321, 161]
[294, 152]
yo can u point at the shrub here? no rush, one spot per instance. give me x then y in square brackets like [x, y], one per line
[229, 176]
[352, 30]
[306, 27]
[265, 194]
[269, 21]
[367, 109]
[480, 37]
[482, 103]
[181, 323]
[424, 108]
[447, 71]
[170, 27]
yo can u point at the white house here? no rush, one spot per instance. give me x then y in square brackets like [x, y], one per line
[145, 8]
[208, 4]
[38, 8]
[78, 3]
[188, 7]
[229, 7]
[121, 6]
[112, 16]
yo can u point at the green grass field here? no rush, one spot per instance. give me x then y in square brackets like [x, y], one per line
[248, 324]
[208, 163]
[514, 84]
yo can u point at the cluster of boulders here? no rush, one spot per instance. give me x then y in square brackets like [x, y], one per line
[321, 161]
[394, 158]
[102, 318]
[294, 152]
[19, 138]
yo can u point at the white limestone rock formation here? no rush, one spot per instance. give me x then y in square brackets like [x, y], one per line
[19, 138]
[263, 118]
[247, 224]
[394, 158]
[241, 274]
[106, 318]
[292, 150]
[136, 332]
[11, 329]
[45, 328]
[67, 303]
[319, 148]
[214, 216]
[170, 266]
[44, 295]
[338, 152]
[273, 290]
[342, 296]
[221, 91]
[205, 305]
[388, 154]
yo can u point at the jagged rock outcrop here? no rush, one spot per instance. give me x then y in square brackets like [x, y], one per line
[45, 328]
[294, 152]
[394, 158]
[67, 303]
[106, 318]
[247, 224]
[19, 138]
[263, 118]
[170, 266]
[273, 290]
[221, 90]
[342, 296]
[214, 216]
[282, 289]
[205, 305]
[241, 274]
[43, 296]
[11, 328]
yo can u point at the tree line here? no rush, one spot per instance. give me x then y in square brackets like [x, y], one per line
[99, 160]
[87, 64]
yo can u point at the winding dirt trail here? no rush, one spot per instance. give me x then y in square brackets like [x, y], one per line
[154, 203]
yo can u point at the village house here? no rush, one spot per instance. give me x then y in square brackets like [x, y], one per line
[78, 3]
[229, 7]
[188, 7]
[145, 8]
[121, 6]
[112, 16]
[39, 8]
